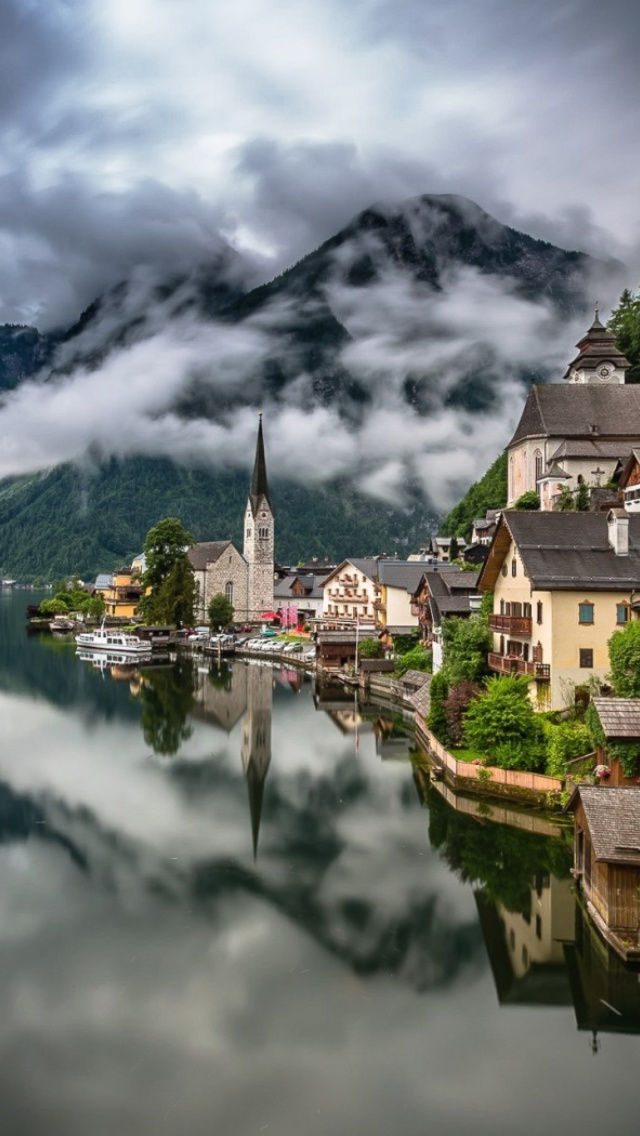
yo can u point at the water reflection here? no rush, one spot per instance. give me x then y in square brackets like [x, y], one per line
[220, 911]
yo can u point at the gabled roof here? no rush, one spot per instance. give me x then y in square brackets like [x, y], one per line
[403, 574]
[553, 411]
[565, 552]
[207, 552]
[598, 345]
[619, 717]
[591, 448]
[613, 816]
[368, 567]
[443, 606]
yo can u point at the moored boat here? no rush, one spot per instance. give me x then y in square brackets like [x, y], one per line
[113, 641]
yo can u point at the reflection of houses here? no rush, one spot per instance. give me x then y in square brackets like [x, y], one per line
[607, 862]
[562, 583]
[221, 697]
[526, 951]
[605, 992]
[256, 741]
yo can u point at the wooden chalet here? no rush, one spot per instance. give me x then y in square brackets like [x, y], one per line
[607, 862]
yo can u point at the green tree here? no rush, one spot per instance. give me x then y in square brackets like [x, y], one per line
[168, 574]
[625, 324]
[565, 502]
[220, 611]
[454, 548]
[466, 643]
[582, 497]
[437, 717]
[502, 724]
[624, 656]
[370, 649]
[417, 659]
[528, 501]
[565, 740]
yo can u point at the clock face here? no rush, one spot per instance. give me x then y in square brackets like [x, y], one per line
[604, 372]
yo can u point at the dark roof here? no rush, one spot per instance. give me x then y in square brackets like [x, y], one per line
[312, 588]
[207, 553]
[591, 448]
[569, 551]
[569, 412]
[442, 606]
[405, 575]
[259, 487]
[620, 717]
[415, 679]
[613, 816]
[465, 582]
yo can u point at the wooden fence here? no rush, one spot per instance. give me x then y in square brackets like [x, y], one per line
[488, 777]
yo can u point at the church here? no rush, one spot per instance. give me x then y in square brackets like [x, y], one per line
[247, 578]
[579, 432]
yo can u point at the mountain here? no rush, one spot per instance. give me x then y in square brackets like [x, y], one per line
[354, 323]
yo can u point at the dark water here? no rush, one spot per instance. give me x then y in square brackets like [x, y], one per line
[223, 909]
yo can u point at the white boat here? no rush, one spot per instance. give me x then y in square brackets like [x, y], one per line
[113, 641]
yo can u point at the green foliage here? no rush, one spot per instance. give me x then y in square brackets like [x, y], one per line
[625, 324]
[466, 643]
[582, 497]
[565, 502]
[624, 656]
[528, 501]
[456, 705]
[168, 574]
[220, 611]
[418, 659]
[54, 606]
[488, 493]
[502, 723]
[565, 741]
[370, 649]
[628, 753]
[404, 643]
[437, 717]
[454, 548]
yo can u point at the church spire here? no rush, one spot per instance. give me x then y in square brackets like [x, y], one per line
[259, 486]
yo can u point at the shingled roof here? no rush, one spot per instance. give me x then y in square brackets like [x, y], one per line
[613, 816]
[206, 553]
[598, 345]
[619, 717]
[553, 411]
[568, 551]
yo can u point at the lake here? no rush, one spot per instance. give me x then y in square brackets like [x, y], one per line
[229, 904]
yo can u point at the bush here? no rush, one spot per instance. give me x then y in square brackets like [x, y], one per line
[528, 501]
[456, 705]
[624, 653]
[437, 717]
[419, 659]
[370, 649]
[565, 741]
[466, 643]
[502, 722]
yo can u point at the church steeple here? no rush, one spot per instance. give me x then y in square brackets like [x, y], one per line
[259, 485]
[599, 360]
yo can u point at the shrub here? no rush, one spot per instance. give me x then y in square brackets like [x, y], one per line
[455, 707]
[370, 649]
[419, 659]
[565, 741]
[502, 722]
[437, 718]
[624, 653]
[529, 501]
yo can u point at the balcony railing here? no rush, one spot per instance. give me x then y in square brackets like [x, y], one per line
[511, 624]
[510, 664]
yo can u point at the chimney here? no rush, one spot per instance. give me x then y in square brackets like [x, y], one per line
[618, 531]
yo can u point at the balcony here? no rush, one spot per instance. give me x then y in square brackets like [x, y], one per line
[511, 624]
[510, 664]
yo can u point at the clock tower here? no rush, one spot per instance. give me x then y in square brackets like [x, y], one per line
[599, 362]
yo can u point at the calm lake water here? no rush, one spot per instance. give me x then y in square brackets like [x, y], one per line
[228, 905]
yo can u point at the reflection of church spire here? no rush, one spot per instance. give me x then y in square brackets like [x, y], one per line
[256, 741]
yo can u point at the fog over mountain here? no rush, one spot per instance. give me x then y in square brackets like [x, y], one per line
[408, 336]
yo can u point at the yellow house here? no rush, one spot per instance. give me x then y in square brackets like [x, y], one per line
[562, 583]
[121, 592]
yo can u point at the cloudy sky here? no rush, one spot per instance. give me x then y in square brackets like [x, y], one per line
[140, 136]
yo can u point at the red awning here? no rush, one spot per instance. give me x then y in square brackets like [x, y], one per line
[269, 615]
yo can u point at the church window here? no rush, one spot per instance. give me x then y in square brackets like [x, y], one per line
[538, 460]
[263, 533]
[248, 534]
[228, 591]
[514, 566]
[585, 612]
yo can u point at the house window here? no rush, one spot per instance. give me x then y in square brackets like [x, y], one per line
[539, 611]
[622, 613]
[538, 927]
[514, 566]
[586, 657]
[228, 591]
[585, 612]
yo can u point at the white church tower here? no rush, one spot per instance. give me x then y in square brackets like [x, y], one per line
[259, 537]
[599, 361]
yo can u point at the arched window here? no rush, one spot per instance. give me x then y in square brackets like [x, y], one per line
[228, 591]
[538, 460]
[263, 533]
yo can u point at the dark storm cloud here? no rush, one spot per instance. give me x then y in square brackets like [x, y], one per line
[43, 43]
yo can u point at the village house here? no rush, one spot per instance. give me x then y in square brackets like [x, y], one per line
[483, 528]
[577, 433]
[442, 591]
[562, 583]
[396, 610]
[440, 545]
[298, 598]
[620, 722]
[607, 862]
[351, 592]
[246, 579]
[120, 591]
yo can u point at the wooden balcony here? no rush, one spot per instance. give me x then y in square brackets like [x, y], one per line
[511, 625]
[510, 664]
